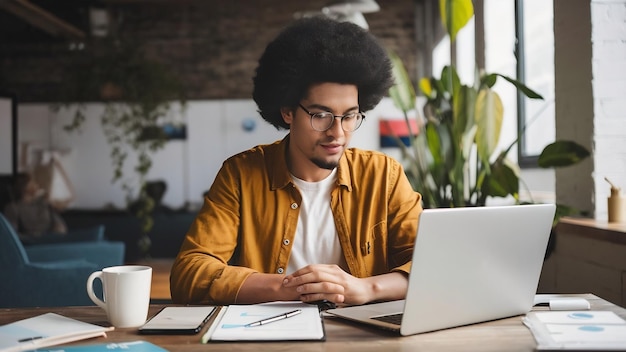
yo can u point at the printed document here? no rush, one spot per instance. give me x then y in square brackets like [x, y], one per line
[231, 323]
[577, 330]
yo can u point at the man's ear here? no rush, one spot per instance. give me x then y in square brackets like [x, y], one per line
[287, 115]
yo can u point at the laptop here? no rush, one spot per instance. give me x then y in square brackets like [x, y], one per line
[470, 265]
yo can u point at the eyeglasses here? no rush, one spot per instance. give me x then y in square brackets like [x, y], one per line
[323, 121]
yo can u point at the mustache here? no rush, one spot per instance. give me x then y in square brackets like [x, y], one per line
[330, 140]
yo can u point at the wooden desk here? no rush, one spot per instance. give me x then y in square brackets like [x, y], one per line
[500, 335]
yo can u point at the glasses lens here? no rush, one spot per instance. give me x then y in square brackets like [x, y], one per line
[322, 121]
[351, 122]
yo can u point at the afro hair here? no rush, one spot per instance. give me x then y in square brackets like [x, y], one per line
[319, 50]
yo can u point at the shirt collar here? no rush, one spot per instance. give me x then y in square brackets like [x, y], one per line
[276, 160]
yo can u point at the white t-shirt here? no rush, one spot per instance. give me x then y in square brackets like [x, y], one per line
[316, 240]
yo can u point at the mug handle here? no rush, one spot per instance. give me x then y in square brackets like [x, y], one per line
[92, 295]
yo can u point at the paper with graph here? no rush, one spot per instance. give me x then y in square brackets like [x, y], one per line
[231, 323]
[586, 330]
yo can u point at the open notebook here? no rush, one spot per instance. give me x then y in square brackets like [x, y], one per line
[469, 265]
[45, 330]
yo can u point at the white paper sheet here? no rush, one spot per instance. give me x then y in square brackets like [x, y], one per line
[231, 325]
[577, 330]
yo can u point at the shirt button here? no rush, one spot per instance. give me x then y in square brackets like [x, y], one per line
[280, 270]
[286, 242]
[294, 206]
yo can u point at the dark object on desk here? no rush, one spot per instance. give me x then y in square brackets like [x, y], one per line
[324, 305]
[178, 320]
[50, 275]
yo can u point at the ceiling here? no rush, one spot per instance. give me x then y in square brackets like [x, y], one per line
[35, 21]
[43, 20]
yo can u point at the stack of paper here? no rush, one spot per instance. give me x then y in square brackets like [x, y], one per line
[232, 323]
[577, 330]
[46, 330]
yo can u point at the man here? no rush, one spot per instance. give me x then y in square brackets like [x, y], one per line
[306, 218]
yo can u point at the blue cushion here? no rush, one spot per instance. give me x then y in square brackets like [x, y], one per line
[50, 275]
[90, 234]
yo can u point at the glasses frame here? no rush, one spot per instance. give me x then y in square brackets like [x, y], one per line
[341, 117]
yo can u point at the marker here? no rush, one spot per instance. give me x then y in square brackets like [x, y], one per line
[274, 318]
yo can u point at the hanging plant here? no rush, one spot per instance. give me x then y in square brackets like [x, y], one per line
[137, 92]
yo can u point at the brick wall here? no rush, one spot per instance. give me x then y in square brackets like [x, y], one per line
[211, 45]
[608, 36]
[590, 73]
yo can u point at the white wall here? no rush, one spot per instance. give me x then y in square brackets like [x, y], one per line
[6, 136]
[214, 132]
[608, 37]
[590, 72]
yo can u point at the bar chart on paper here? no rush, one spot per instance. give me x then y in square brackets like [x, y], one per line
[278, 321]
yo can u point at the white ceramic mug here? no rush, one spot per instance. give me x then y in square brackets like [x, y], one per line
[126, 293]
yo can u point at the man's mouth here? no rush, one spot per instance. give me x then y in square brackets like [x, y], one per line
[332, 148]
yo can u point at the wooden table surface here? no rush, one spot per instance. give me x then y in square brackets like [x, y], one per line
[500, 335]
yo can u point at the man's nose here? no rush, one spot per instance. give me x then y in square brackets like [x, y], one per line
[336, 128]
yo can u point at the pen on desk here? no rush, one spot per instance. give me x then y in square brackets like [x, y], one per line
[27, 339]
[274, 318]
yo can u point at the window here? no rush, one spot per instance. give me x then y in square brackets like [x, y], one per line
[519, 43]
[535, 67]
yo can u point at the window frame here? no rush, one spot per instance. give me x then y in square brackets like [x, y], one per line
[525, 160]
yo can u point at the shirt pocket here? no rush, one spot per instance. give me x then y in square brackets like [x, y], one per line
[374, 249]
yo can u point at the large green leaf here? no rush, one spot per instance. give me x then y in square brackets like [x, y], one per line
[467, 141]
[489, 80]
[402, 93]
[503, 179]
[434, 144]
[450, 80]
[519, 85]
[455, 14]
[562, 153]
[463, 112]
[448, 145]
[489, 115]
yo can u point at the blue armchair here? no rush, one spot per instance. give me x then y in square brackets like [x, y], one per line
[50, 275]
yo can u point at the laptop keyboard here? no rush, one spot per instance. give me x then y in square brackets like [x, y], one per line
[391, 318]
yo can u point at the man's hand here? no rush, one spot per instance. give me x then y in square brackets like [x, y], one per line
[329, 282]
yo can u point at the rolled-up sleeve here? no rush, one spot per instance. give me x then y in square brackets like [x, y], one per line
[201, 273]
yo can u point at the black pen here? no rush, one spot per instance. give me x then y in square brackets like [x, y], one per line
[27, 339]
[274, 318]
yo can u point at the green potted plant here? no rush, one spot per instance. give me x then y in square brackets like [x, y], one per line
[453, 161]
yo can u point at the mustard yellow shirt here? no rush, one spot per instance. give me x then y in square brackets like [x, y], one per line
[248, 222]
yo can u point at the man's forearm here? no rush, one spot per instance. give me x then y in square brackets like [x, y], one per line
[260, 287]
[388, 287]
